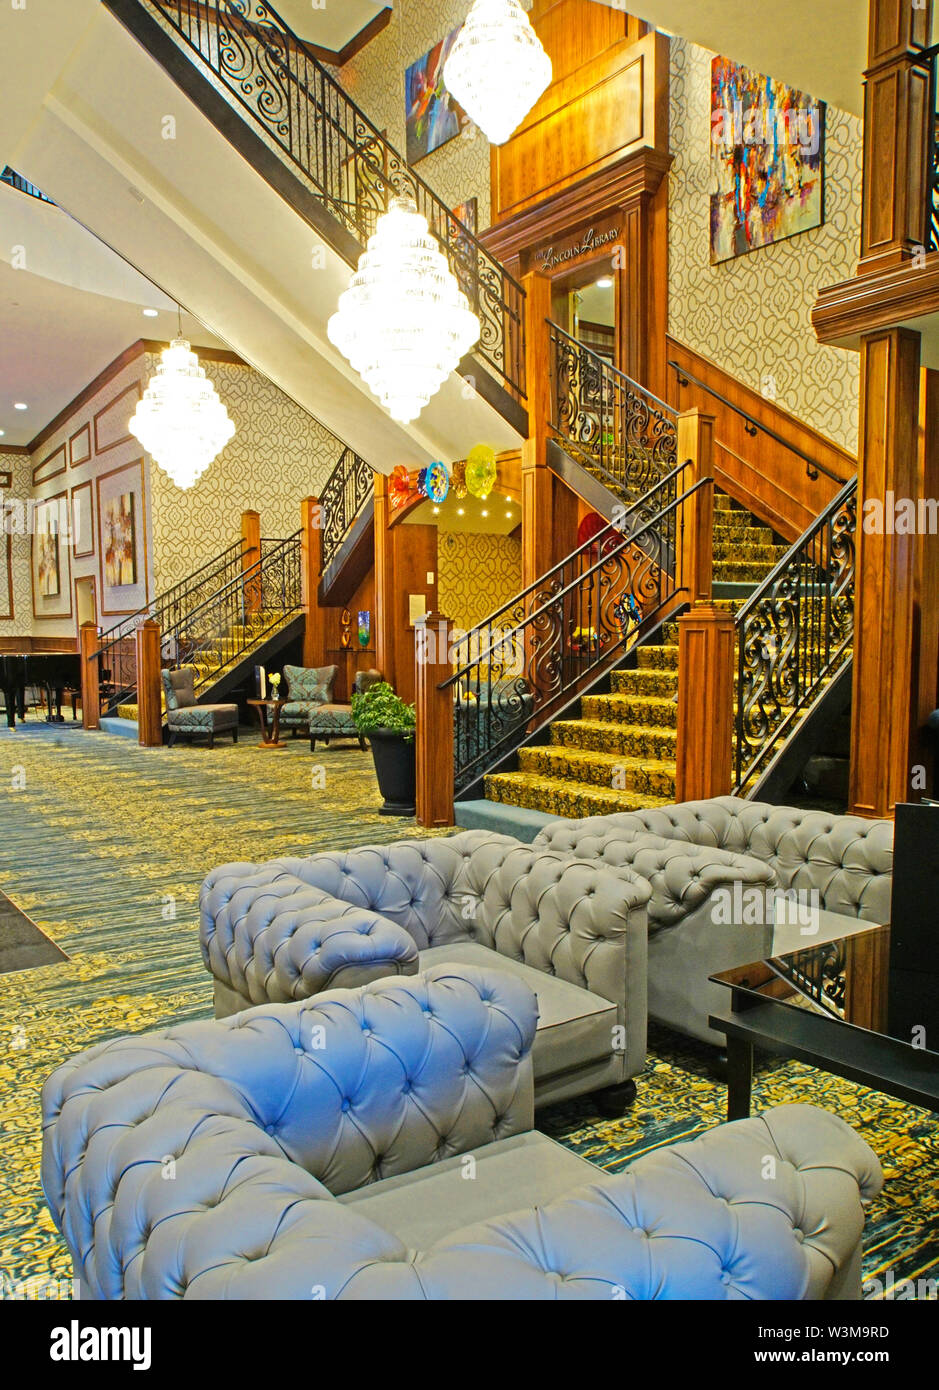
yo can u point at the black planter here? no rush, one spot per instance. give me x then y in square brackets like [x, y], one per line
[395, 770]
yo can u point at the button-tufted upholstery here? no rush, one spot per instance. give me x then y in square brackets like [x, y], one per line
[284, 930]
[209, 1160]
[846, 860]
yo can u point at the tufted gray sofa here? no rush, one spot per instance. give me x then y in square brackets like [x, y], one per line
[846, 860]
[377, 1144]
[576, 933]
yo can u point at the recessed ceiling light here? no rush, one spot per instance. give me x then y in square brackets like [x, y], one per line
[485, 513]
[605, 282]
[436, 511]
[20, 405]
[459, 511]
[151, 313]
[2, 432]
[508, 513]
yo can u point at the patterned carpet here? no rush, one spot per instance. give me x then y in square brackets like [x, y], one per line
[105, 845]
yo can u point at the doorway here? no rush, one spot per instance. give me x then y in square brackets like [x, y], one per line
[583, 303]
[86, 601]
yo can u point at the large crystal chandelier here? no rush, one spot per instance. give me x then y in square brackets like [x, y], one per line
[180, 420]
[403, 323]
[497, 69]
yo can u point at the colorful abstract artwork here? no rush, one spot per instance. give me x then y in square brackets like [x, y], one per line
[365, 629]
[767, 161]
[47, 563]
[120, 541]
[433, 116]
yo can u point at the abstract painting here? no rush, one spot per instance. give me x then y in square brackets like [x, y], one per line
[47, 562]
[120, 541]
[767, 161]
[433, 116]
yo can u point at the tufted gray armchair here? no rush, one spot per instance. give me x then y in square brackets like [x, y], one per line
[377, 1144]
[688, 850]
[575, 932]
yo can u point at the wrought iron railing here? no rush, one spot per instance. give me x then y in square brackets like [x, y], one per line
[215, 636]
[519, 668]
[22, 185]
[117, 655]
[302, 111]
[819, 974]
[347, 490]
[606, 421]
[793, 634]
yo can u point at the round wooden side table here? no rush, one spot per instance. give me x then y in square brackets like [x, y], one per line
[270, 737]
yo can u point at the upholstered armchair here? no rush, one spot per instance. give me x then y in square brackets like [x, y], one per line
[185, 716]
[308, 687]
[575, 932]
[321, 1151]
[327, 722]
[686, 852]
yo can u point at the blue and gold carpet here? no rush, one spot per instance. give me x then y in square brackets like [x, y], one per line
[104, 845]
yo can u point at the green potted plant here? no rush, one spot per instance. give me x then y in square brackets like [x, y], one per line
[387, 722]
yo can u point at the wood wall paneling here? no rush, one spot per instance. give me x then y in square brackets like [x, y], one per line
[50, 467]
[79, 446]
[110, 423]
[83, 521]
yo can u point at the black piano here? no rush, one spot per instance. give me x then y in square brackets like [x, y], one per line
[53, 672]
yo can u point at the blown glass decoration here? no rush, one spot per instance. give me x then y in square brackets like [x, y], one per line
[458, 480]
[497, 69]
[434, 482]
[180, 419]
[403, 323]
[481, 471]
[399, 486]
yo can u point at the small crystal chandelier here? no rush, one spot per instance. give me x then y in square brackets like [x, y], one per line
[180, 420]
[403, 323]
[497, 69]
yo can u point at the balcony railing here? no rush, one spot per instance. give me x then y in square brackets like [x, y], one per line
[347, 490]
[301, 111]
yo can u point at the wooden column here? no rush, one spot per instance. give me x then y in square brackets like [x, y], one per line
[384, 584]
[250, 555]
[434, 712]
[898, 134]
[88, 643]
[884, 627]
[149, 685]
[311, 560]
[696, 515]
[705, 703]
[538, 554]
[926, 595]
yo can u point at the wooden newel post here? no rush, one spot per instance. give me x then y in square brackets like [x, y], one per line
[149, 665]
[537, 478]
[250, 555]
[705, 704]
[311, 553]
[696, 514]
[88, 639]
[434, 710]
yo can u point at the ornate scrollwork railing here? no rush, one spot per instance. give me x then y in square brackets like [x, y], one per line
[818, 974]
[793, 635]
[303, 113]
[518, 669]
[608, 422]
[348, 488]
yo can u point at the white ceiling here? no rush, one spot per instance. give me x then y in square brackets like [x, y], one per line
[66, 317]
[332, 23]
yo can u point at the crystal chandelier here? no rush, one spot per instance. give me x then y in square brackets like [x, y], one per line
[497, 69]
[180, 420]
[403, 323]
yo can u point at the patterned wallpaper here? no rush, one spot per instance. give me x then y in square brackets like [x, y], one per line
[20, 489]
[751, 316]
[375, 80]
[476, 574]
[279, 455]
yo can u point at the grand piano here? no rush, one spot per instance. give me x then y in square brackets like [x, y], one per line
[53, 672]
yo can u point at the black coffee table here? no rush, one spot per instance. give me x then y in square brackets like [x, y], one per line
[817, 1022]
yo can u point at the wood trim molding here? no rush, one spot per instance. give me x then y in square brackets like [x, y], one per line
[14, 451]
[84, 554]
[88, 393]
[6, 480]
[132, 390]
[9, 615]
[843, 313]
[355, 44]
[142, 522]
[39, 476]
[65, 584]
[205, 354]
[84, 434]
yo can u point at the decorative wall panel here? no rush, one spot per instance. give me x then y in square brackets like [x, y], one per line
[476, 574]
[15, 620]
[123, 582]
[751, 316]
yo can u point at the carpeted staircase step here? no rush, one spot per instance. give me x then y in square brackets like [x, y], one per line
[563, 799]
[610, 771]
[649, 711]
[644, 682]
[625, 740]
[658, 658]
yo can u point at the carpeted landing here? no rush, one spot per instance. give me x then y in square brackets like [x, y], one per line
[104, 845]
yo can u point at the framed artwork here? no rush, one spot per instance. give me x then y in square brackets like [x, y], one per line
[6, 479]
[767, 161]
[120, 541]
[83, 522]
[79, 446]
[121, 515]
[433, 116]
[6, 578]
[51, 570]
[50, 467]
